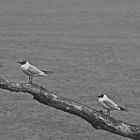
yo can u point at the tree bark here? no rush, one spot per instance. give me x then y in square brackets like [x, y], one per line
[96, 118]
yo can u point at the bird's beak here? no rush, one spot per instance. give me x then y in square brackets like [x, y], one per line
[19, 62]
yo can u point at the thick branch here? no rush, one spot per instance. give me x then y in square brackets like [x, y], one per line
[96, 118]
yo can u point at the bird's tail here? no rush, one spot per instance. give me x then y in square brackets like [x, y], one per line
[47, 72]
[123, 109]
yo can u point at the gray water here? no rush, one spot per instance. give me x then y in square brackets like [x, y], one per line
[91, 45]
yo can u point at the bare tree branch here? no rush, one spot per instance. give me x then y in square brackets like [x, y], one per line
[96, 118]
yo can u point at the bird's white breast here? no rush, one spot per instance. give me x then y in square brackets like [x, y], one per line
[24, 68]
[101, 100]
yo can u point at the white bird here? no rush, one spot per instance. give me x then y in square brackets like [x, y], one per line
[32, 71]
[109, 105]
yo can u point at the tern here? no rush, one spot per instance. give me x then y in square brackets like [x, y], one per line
[32, 71]
[109, 105]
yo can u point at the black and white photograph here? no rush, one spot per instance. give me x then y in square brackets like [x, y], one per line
[69, 70]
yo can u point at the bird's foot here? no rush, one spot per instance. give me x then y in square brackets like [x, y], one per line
[42, 88]
[101, 111]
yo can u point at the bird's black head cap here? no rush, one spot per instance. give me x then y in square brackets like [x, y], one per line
[101, 96]
[22, 62]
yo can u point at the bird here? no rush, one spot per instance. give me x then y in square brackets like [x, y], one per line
[32, 71]
[109, 105]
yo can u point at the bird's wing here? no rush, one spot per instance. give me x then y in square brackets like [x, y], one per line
[47, 72]
[33, 70]
[123, 109]
[111, 104]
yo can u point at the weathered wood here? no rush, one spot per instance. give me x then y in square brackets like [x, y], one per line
[96, 118]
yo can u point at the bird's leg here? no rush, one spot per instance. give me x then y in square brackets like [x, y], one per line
[108, 113]
[30, 79]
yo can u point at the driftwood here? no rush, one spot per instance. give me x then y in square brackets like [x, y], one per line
[96, 118]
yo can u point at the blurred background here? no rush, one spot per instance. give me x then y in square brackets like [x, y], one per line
[92, 46]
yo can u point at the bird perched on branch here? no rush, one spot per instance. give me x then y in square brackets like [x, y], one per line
[109, 105]
[32, 71]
